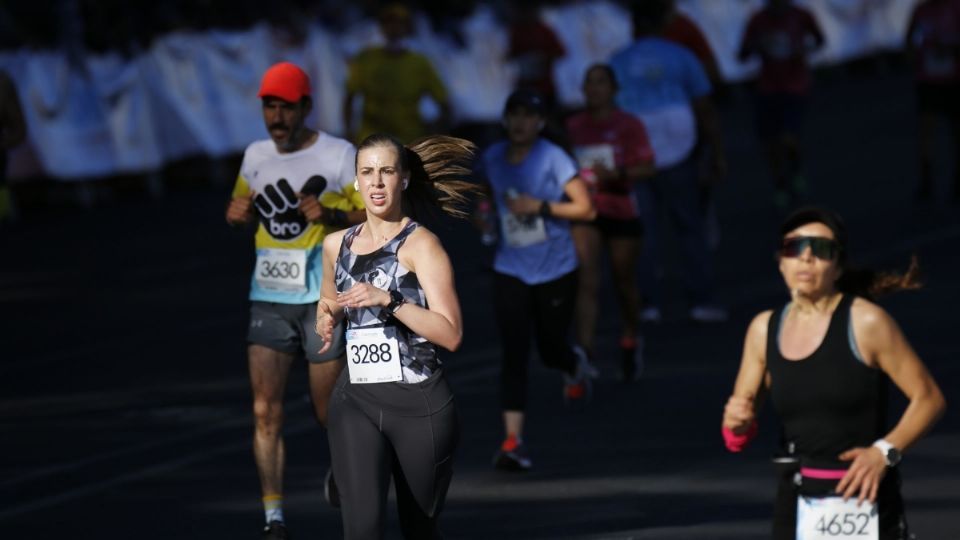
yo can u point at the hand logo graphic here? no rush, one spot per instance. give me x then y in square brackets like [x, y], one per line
[278, 207]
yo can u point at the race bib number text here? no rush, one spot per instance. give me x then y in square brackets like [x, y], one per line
[823, 518]
[589, 156]
[523, 231]
[373, 355]
[282, 270]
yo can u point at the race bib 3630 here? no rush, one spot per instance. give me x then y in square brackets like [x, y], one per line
[282, 270]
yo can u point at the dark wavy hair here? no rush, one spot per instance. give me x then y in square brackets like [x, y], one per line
[864, 282]
[607, 70]
[439, 168]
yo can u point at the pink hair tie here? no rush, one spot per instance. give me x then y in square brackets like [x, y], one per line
[736, 443]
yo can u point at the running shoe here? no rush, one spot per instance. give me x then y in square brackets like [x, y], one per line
[585, 363]
[706, 313]
[651, 314]
[631, 360]
[275, 530]
[578, 388]
[330, 492]
[512, 456]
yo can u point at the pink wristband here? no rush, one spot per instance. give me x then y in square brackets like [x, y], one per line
[736, 443]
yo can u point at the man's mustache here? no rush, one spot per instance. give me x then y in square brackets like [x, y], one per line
[278, 126]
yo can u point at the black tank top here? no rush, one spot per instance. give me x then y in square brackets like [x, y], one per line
[382, 269]
[829, 401]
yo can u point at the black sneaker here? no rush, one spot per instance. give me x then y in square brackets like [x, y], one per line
[275, 530]
[512, 456]
[330, 492]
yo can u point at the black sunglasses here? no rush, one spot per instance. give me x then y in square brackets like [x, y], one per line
[825, 249]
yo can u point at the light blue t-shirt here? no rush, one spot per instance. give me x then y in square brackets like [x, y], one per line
[543, 174]
[654, 73]
[658, 81]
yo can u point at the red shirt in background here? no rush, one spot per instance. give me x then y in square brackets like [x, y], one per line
[535, 47]
[627, 138]
[934, 38]
[782, 40]
[683, 31]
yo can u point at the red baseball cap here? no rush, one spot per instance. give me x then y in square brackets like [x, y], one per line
[285, 81]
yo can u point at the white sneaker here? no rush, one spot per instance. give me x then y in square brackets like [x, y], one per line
[708, 314]
[585, 368]
[651, 314]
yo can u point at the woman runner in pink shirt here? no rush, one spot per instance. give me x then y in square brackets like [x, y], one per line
[613, 153]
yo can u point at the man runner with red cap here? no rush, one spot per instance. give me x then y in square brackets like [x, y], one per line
[282, 182]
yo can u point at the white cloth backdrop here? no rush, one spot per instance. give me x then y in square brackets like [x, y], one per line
[195, 93]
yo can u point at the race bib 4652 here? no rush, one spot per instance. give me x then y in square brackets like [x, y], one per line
[832, 518]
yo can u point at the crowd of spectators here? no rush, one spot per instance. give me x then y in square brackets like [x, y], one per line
[113, 25]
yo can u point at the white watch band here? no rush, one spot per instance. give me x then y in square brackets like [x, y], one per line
[884, 446]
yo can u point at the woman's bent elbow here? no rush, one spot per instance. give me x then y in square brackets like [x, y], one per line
[941, 403]
[454, 343]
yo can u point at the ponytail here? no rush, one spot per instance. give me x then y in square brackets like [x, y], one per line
[439, 168]
[872, 284]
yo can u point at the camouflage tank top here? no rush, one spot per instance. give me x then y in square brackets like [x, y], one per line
[382, 269]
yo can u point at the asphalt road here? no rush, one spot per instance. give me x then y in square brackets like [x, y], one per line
[125, 406]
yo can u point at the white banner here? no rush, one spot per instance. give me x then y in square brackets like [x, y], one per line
[122, 90]
[195, 93]
[66, 123]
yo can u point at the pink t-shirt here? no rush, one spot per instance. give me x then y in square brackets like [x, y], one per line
[619, 140]
[934, 38]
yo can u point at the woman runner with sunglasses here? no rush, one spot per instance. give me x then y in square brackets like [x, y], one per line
[825, 358]
[391, 411]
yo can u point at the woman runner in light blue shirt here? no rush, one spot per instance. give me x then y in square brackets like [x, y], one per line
[536, 191]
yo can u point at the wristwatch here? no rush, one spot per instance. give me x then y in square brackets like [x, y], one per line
[890, 452]
[396, 300]
[545, 210]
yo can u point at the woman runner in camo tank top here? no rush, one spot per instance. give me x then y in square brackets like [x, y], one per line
[382, 268]
[391, 411]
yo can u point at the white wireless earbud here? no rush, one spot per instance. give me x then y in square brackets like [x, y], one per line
[356, 185]
[406, 182]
